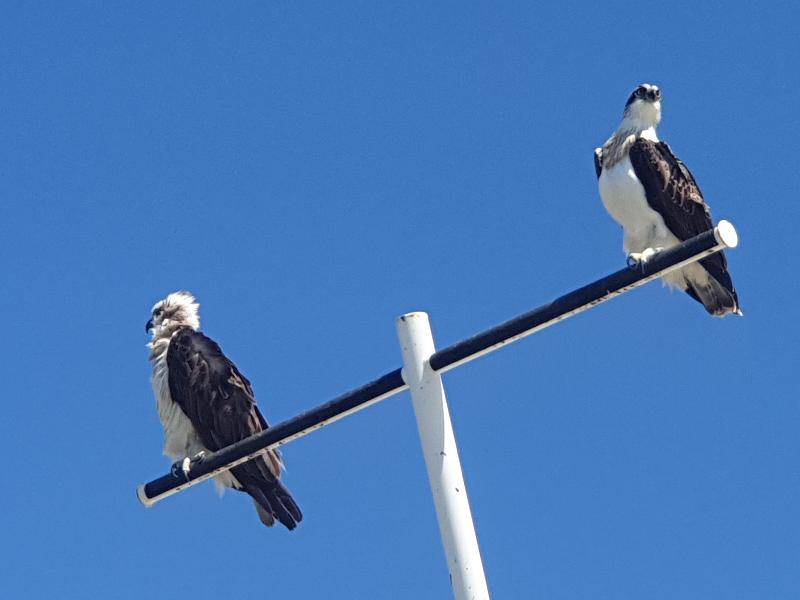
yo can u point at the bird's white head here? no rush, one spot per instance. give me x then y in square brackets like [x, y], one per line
[177, 310]
[643, 109]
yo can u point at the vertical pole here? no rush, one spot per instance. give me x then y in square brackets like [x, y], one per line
[441, 457]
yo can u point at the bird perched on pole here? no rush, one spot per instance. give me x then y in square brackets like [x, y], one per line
[652, 194]
[205, 404]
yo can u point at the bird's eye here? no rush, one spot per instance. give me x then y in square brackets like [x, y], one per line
[640, 92]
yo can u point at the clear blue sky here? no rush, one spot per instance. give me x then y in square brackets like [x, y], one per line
[312, 170]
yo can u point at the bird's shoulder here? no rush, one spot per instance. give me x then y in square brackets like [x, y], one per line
[675, 180]
[187, 340]
[598, 161]
[190, 350]
[188, 344]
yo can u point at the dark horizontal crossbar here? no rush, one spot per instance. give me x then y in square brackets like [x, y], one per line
[574, 302]
[248, 448]
[450, 357]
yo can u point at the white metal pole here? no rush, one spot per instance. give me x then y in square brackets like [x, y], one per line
[441, 457]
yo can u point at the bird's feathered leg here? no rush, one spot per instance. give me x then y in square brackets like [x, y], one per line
[637, 260]
[181, 469]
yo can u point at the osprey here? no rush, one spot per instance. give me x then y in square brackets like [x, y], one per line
[652, 194]
[205, 404]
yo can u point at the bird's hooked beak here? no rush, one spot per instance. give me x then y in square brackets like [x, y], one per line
[653, 94]
[148, 326]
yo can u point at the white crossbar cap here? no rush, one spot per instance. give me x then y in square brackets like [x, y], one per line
[726, 234]
[143, 497]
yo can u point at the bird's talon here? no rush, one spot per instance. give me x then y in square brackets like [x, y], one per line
[649, 253]
[180, 469]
